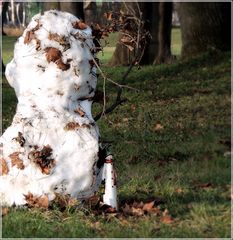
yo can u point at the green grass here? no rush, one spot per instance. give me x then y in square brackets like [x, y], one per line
[190, 100]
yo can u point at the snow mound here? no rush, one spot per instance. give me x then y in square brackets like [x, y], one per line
[52, 144]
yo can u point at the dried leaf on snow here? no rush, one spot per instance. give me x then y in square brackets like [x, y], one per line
[79, 25]
[38, 202]
[61, 65]
[20, 139]
[16, 161]
[71, 126]
[80, 112]
[4, 167]
[52, 54]
[43, 159]
[29, 36]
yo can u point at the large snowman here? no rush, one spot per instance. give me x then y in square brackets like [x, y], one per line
[52, 144]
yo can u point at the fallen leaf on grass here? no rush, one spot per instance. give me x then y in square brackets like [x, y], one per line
[179, 190]
[166, 219]
[205, 185]
[140, 209]
[158, 127]
[63, 201]
[148, 206]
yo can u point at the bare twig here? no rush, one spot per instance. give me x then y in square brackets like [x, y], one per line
[131, 25]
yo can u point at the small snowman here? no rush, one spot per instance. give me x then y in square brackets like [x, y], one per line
[52, 145]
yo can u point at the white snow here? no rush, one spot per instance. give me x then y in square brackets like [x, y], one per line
[48, 99]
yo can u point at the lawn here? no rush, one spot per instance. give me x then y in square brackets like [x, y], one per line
[171, 143]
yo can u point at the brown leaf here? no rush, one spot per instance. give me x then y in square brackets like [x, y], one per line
[179, 190]
[137, 211]
[43, 202]
[155, 211]
[5, 211]
[38, 44]
[61, 65]
[158, 127]
[80, 112]
[52, 54]
[58, 38]
[71, 126]
[29, 36]
[136, 204]
[42, 158]
[79, 25]
[128, 210]
[148, 206]
[20, 139]
[4, 167]
[86, 125]
[108, 16]
[38, 202]
[166, 219]
[61, 200]
[205, 185]
[16, 161]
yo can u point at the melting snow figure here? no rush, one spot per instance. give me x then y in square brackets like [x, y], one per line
[52, 144]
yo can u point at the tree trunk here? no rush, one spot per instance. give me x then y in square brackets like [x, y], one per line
[204, 26]
[90, 12]
[164, 33]
[122, 56]
[50, 5]
[158, 21]
[75, 8]
[150, 12]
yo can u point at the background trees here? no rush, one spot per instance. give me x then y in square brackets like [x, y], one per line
[204, 26]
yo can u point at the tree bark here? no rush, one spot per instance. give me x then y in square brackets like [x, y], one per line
[122, 56]
[90, 12]
[50, 5]
[150, 12]
[158, 21]
[75, 8]
[204, 26]
[164, 33]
